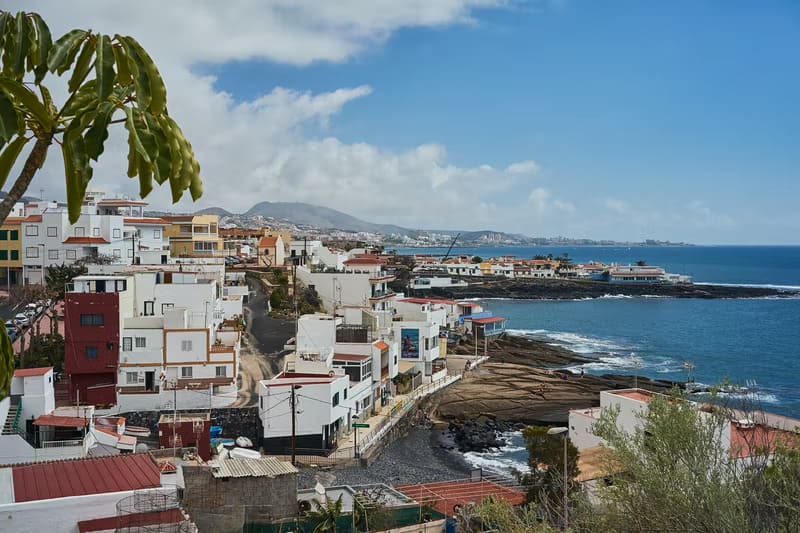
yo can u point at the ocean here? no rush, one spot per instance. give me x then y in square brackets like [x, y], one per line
[750, 342]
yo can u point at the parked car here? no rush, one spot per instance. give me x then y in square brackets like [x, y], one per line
[13, 333]
[35, 308]
[22, 319]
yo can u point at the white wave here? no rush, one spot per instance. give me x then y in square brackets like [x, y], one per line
[499, 464]
[753, 285]
[616, 296]
[759, 397]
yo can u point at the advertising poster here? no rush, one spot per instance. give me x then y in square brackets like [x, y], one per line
[409, 347]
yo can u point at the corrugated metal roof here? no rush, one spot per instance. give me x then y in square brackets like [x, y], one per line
[268, 466]
[60, 479]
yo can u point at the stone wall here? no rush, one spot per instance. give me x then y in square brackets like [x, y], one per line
[235, 422]
[225, 505]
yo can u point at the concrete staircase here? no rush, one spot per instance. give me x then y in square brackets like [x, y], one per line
[9, 427]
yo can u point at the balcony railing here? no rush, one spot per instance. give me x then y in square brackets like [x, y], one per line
[61, 443]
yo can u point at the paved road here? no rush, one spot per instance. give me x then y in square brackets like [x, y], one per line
[262, 352]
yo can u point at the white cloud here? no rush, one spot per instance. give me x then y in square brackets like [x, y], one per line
[523, 167]
[702, 215]
[616, 205]
[273, 146]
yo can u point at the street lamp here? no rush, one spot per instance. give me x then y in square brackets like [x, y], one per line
[559, 431]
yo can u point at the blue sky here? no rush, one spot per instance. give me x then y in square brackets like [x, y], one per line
[668, 120]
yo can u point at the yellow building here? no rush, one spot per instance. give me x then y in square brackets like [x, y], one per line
[194, 236]
[10, 252]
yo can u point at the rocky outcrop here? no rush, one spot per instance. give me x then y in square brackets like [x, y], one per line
[521, 383]
[566, 289]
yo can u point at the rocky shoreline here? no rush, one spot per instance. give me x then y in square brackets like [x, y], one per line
[568, 289]
[522, 383]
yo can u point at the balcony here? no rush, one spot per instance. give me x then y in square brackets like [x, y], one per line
[381, 295]
[352, 333]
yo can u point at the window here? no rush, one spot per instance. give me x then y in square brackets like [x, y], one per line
[141, 342]
[3, 234]
[93, 320]
[52, 254]
[203, 246]
[221, 371]
[15, 255]
[186, 371]
[131, 378]
[164, 307]
[365, 403]
[186, 346]
[3, 255]
[72, 254]
[148, 308]
[80, 231]
[127, 344]
[91, 352]
[14, 235]
[345, 394]
[427, 341]
[116, 233]
[52, 231]
[117, 252]
[335, 400]
[32, 251]
[31, 231]
[130, 253]
[156, 233]
[95, 232]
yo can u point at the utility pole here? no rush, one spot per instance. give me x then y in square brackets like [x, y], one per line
[293, 402]
[475, 332]
[174, 420]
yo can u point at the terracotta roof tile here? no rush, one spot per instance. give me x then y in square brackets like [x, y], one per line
[26, 372]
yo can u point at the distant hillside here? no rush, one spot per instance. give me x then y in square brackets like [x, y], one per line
[26, 199]
[320, 217]
[214, 211]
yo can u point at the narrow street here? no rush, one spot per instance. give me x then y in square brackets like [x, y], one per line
[262, 352]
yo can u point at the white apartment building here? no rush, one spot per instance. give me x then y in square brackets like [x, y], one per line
[321, 417]
[115, 228]
[173, 335]
[363, 283]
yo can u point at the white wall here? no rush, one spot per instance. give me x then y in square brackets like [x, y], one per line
[581, 428]
[316, 332]
[351, 289]
[174, 348]
[61, 515]
[315, 409]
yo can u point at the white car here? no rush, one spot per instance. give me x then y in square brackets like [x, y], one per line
[22, 319]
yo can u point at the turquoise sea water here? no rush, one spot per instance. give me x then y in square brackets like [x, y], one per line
[748, 341]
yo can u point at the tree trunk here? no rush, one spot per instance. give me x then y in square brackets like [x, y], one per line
[32, 164]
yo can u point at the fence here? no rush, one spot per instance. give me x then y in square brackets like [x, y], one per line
[61, 443]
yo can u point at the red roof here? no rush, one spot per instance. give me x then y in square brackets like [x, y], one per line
[120, 201]
[267, 242]
[78, 477]
[85, 240]
[444, 496]
[363, 261]
[33, 218]
[349, 357]
[61, 421]
[487, 320]
[468, 304]
[27, 372]
[13, 221]
[157, 221]
[131, 522]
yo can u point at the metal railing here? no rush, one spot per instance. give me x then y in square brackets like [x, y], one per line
[60, 443]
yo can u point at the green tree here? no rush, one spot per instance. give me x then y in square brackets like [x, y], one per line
[674, 472]
[110, 80]
[545, 482]
[494, 514]
[326, 514]
[46, 350]
[58, 276]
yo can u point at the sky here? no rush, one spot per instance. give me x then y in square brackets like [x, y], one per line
[621, 119]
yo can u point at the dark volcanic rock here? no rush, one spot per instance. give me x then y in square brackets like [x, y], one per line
[566, 289]
[479, 434]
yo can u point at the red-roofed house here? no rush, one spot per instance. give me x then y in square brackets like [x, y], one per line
[67, 496]
[271, 251]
